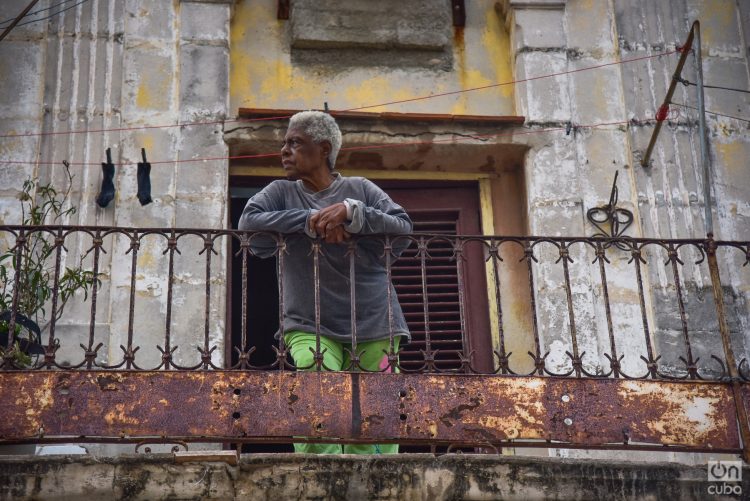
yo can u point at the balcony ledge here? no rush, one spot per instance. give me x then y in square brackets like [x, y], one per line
[404, 476]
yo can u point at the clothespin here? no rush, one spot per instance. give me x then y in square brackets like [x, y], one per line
[144, 180]
[325, 107]
[568, 128]
[107, 192]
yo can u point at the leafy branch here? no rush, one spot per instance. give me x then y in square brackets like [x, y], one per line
[40, 204]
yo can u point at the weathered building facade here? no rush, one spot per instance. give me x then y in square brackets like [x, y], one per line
[528, 108]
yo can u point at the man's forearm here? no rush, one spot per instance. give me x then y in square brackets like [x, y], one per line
[369, 220]
[283, 221]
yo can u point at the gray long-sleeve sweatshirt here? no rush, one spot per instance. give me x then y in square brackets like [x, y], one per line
[285, 207]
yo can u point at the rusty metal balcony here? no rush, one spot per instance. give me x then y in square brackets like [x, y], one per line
[627, 343]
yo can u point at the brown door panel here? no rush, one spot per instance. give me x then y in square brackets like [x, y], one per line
[443, 210]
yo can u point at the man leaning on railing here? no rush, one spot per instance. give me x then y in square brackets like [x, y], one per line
[318, 202]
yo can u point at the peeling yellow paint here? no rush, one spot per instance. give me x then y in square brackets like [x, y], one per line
[496, 41]
[144, 140]
[263, 75]
[375, 90]
[717, 17]
[469, 80]
[146, 259]
[239, 76]
[732, 156]
[153, 87]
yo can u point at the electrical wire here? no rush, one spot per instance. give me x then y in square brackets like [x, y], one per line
[726, 88]
[53, 14]
[522, 80]
[419, 98]
[352, 148]
[142, 127]
[10, 20]
[687, 82]
[712, 112]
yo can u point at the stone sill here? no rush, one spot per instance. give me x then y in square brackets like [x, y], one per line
[297, 476]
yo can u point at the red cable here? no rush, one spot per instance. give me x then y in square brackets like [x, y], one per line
[142, 127]
[351, 148]
[522, 80]
[431, 96]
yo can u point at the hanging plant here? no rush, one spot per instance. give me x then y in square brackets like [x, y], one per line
[40, 204]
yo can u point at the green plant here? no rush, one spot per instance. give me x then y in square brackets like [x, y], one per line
[40, 204]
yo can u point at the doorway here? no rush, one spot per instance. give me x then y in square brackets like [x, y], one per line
[435, 209]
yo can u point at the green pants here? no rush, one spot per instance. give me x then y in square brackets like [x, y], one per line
[371, 355]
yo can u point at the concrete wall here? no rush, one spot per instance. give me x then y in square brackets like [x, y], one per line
[567, 175]
[408, 476]
[125, 64]
[271, 70]
[670, 192]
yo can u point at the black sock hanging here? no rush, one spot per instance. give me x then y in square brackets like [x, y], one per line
[107, 192]
[144, 180]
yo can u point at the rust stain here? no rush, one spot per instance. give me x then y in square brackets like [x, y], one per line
[488, 166]
[455, 414]
[119, 416]
[231, 405]
[108, 382]
[292, 397]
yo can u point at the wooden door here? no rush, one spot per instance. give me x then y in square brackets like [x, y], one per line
[448, 211]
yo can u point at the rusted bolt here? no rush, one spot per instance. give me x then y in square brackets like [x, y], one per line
[568, 421]
[565, 398]
[511, 433]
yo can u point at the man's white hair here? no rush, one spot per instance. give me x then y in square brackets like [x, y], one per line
[320, 127]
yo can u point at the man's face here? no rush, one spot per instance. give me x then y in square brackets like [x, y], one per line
[301, 156]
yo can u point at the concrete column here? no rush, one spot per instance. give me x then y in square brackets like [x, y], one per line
[567, 174]
[540, 44]
[201, 187]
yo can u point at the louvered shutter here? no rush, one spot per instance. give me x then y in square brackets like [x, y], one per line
[444, 321]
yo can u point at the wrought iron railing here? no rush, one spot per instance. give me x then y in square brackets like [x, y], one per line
[624, 343]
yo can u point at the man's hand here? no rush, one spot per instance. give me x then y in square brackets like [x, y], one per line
[328, 223]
